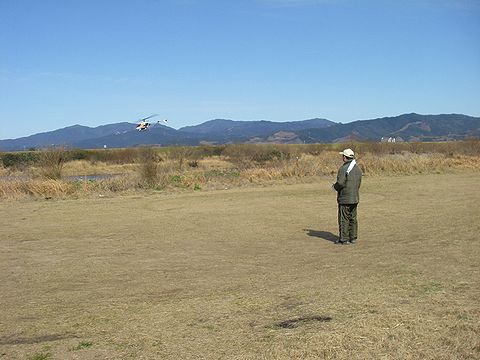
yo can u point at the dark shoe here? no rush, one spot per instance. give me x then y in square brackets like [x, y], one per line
[340, 242]
[353, 241]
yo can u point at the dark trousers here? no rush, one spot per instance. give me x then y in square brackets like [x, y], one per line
[347, 222]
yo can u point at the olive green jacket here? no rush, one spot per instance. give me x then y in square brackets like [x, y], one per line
[348, 185]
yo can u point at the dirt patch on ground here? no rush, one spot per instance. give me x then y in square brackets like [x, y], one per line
[296, 322]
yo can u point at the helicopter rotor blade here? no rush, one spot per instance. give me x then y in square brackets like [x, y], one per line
[148, 117]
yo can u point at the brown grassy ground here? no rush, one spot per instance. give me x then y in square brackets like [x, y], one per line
[245, 274]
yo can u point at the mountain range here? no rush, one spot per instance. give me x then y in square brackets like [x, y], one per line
[406, 127]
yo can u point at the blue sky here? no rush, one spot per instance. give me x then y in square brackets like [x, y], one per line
[66, 62]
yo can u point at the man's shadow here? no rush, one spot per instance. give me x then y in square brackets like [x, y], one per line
[325, 235]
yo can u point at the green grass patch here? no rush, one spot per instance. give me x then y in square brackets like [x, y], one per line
[175, 179]
[432, 287]
[83, 345]
[41, 356]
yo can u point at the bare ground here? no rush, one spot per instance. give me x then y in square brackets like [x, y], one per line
[245, 274]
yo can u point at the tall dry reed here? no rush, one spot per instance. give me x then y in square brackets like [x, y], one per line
[210, 167]
[148, 167]
[51, 162]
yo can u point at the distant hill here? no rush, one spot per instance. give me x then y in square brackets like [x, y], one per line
[230, 130]
[65, 136]
[406, 127]
[155, 135]
[124, 134]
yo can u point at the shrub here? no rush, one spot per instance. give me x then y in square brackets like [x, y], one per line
[250, 155]
[184, 153]
[51, 162]
[17, 160]
[148, 167]
[79, 154]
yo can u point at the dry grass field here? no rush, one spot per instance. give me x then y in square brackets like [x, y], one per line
[245, 273]
[69, 174]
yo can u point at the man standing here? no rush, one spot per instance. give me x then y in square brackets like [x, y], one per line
[349, 178]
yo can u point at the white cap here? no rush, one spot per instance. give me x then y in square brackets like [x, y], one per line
[348, 153]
